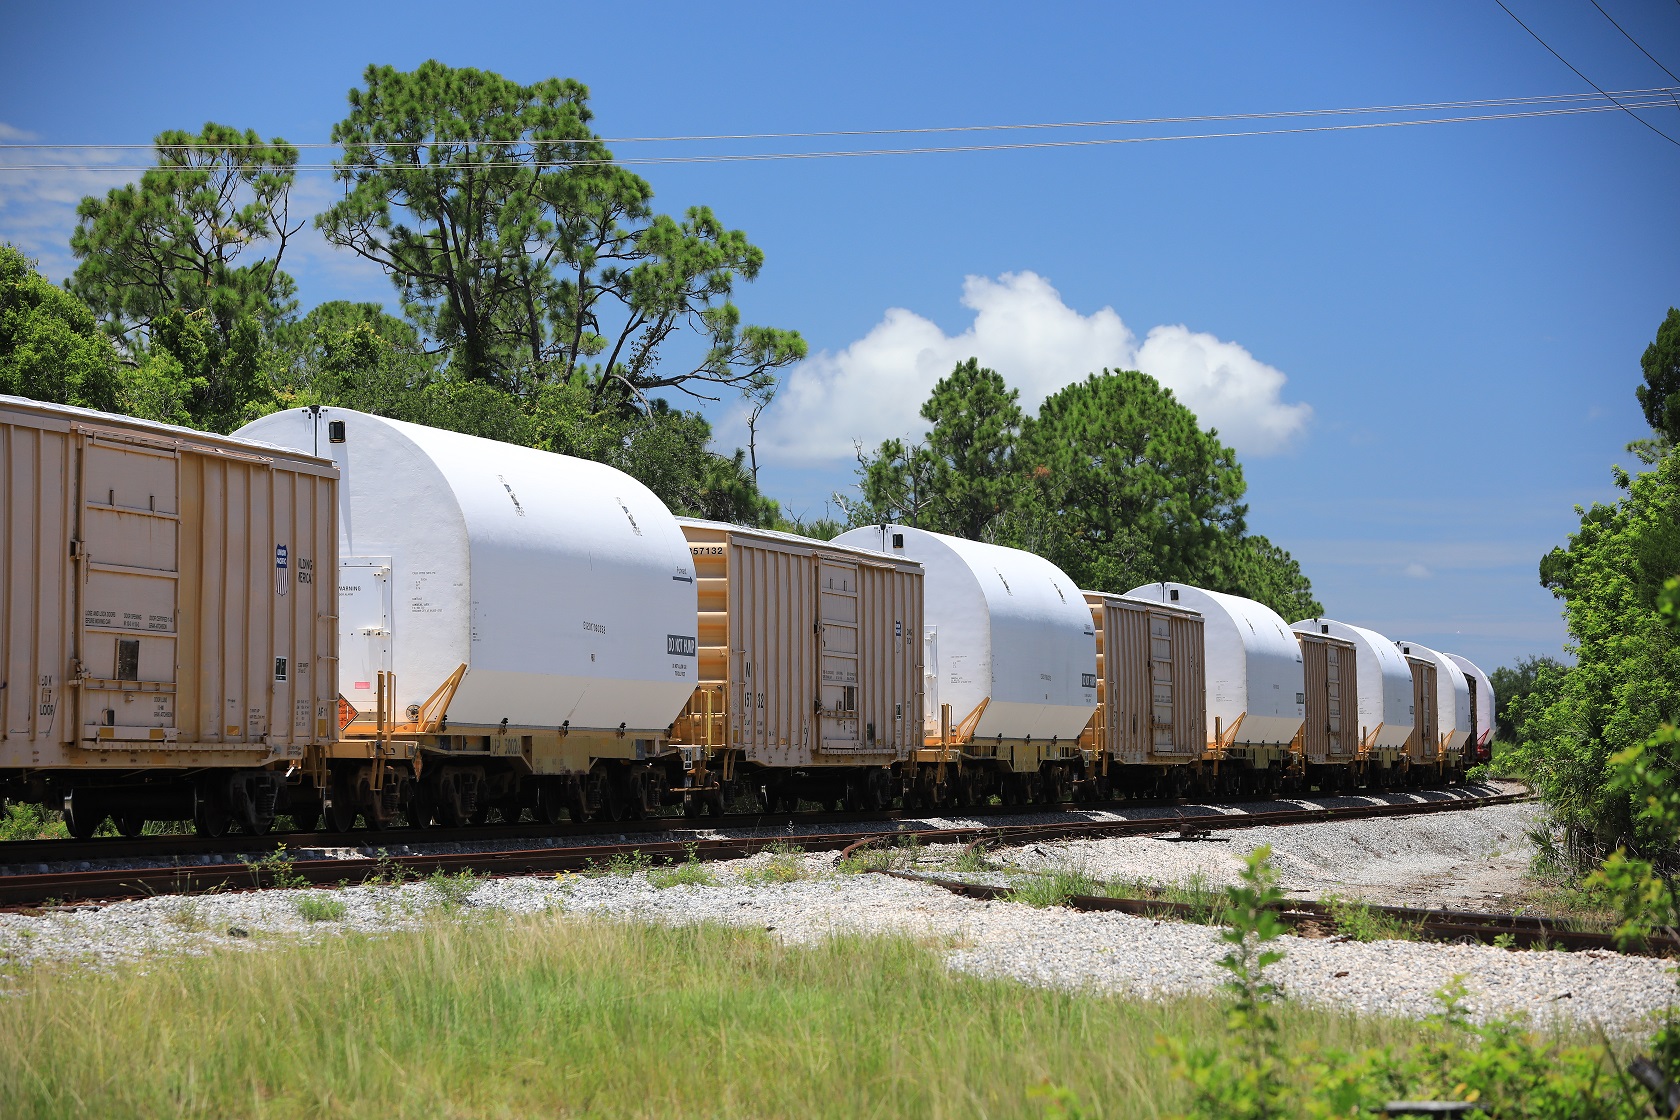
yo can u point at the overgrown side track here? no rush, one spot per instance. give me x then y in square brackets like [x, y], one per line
[102, 885]
[1524, 930]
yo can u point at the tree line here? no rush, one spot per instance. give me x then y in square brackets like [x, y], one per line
[545, 301]
[1113, 480]
[1615, 578]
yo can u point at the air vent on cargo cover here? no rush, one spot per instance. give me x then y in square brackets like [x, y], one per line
[335, 431]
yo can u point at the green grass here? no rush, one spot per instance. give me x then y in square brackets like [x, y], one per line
[783, 866]
[690, 873]
[1356, 921]
[320, 907]
[560, 1016]
[1207, 901]
[1053, 887]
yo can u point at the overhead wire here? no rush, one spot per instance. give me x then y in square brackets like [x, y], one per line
[1416, 107]
[1634, 41]
[1583, 77]
[755, 157]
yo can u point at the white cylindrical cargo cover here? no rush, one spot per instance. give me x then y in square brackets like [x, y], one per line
[1482, 733]
[1006, 627]
[1385, 681]
[565, 586]
[1254, 667]
[1452, 692]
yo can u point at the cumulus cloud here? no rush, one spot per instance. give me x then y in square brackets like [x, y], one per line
[1416, 571]
[872, 389]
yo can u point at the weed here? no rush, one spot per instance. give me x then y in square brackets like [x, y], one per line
[1356, 921]
[689, 873]
[783, 866]
[317, 906]
[1252, 1081]
[1060, 1102]
[186, 916]
[903, 850]
[387, 872]
[1207, 901]
[1054, 887]
[1505, 941]
[276, 869]
[453, 892]
[868, 859]
[622, 865]
[972, 860]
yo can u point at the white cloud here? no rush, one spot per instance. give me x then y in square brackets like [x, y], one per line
[38, 200]
[1416, 571]
[38, 213]
[873, 389]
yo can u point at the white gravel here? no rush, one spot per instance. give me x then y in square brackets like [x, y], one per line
[1470, 860]
[1100, 952]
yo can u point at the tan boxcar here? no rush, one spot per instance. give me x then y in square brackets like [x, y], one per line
[810, 661]
[1151, 691]
[1424, 747]
[1330, 730]
[166, 646]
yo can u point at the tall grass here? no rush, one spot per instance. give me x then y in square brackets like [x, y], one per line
[561, 1016]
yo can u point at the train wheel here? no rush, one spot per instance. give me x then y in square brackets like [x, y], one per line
[340, 814]
[211, 816]
[551, 803]
[130, 824]
[81, 816]
[419, 808]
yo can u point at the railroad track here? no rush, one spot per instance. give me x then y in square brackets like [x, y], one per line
[105, 885]
[25, 852]
[1518, 930]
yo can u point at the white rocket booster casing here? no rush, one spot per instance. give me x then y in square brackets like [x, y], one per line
[565, 586]
[1385, 681]
[1452, 692]
[1006, 627]
[1253, 659]
[1482, 733]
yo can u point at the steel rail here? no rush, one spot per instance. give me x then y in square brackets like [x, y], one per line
[25, 852]
[115, 884]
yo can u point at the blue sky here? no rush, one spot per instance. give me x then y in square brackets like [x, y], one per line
[1423, 341]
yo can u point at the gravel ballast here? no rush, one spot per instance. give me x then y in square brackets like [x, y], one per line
[1099, 952]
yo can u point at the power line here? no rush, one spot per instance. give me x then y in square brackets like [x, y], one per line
[1417, 107]
[1634, 41]
[759, 157]
[1583, 77]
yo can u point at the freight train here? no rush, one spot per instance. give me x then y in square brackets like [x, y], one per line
[341, 617]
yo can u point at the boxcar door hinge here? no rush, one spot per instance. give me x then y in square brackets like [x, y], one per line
[75, 549]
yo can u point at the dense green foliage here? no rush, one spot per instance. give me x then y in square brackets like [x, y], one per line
[1626, 680]
[1114, 481]
[1571, 722]
[50, 345]
[1513, 685]
[1659, 396]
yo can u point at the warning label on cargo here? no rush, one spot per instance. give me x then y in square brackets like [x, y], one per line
[676, 645]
